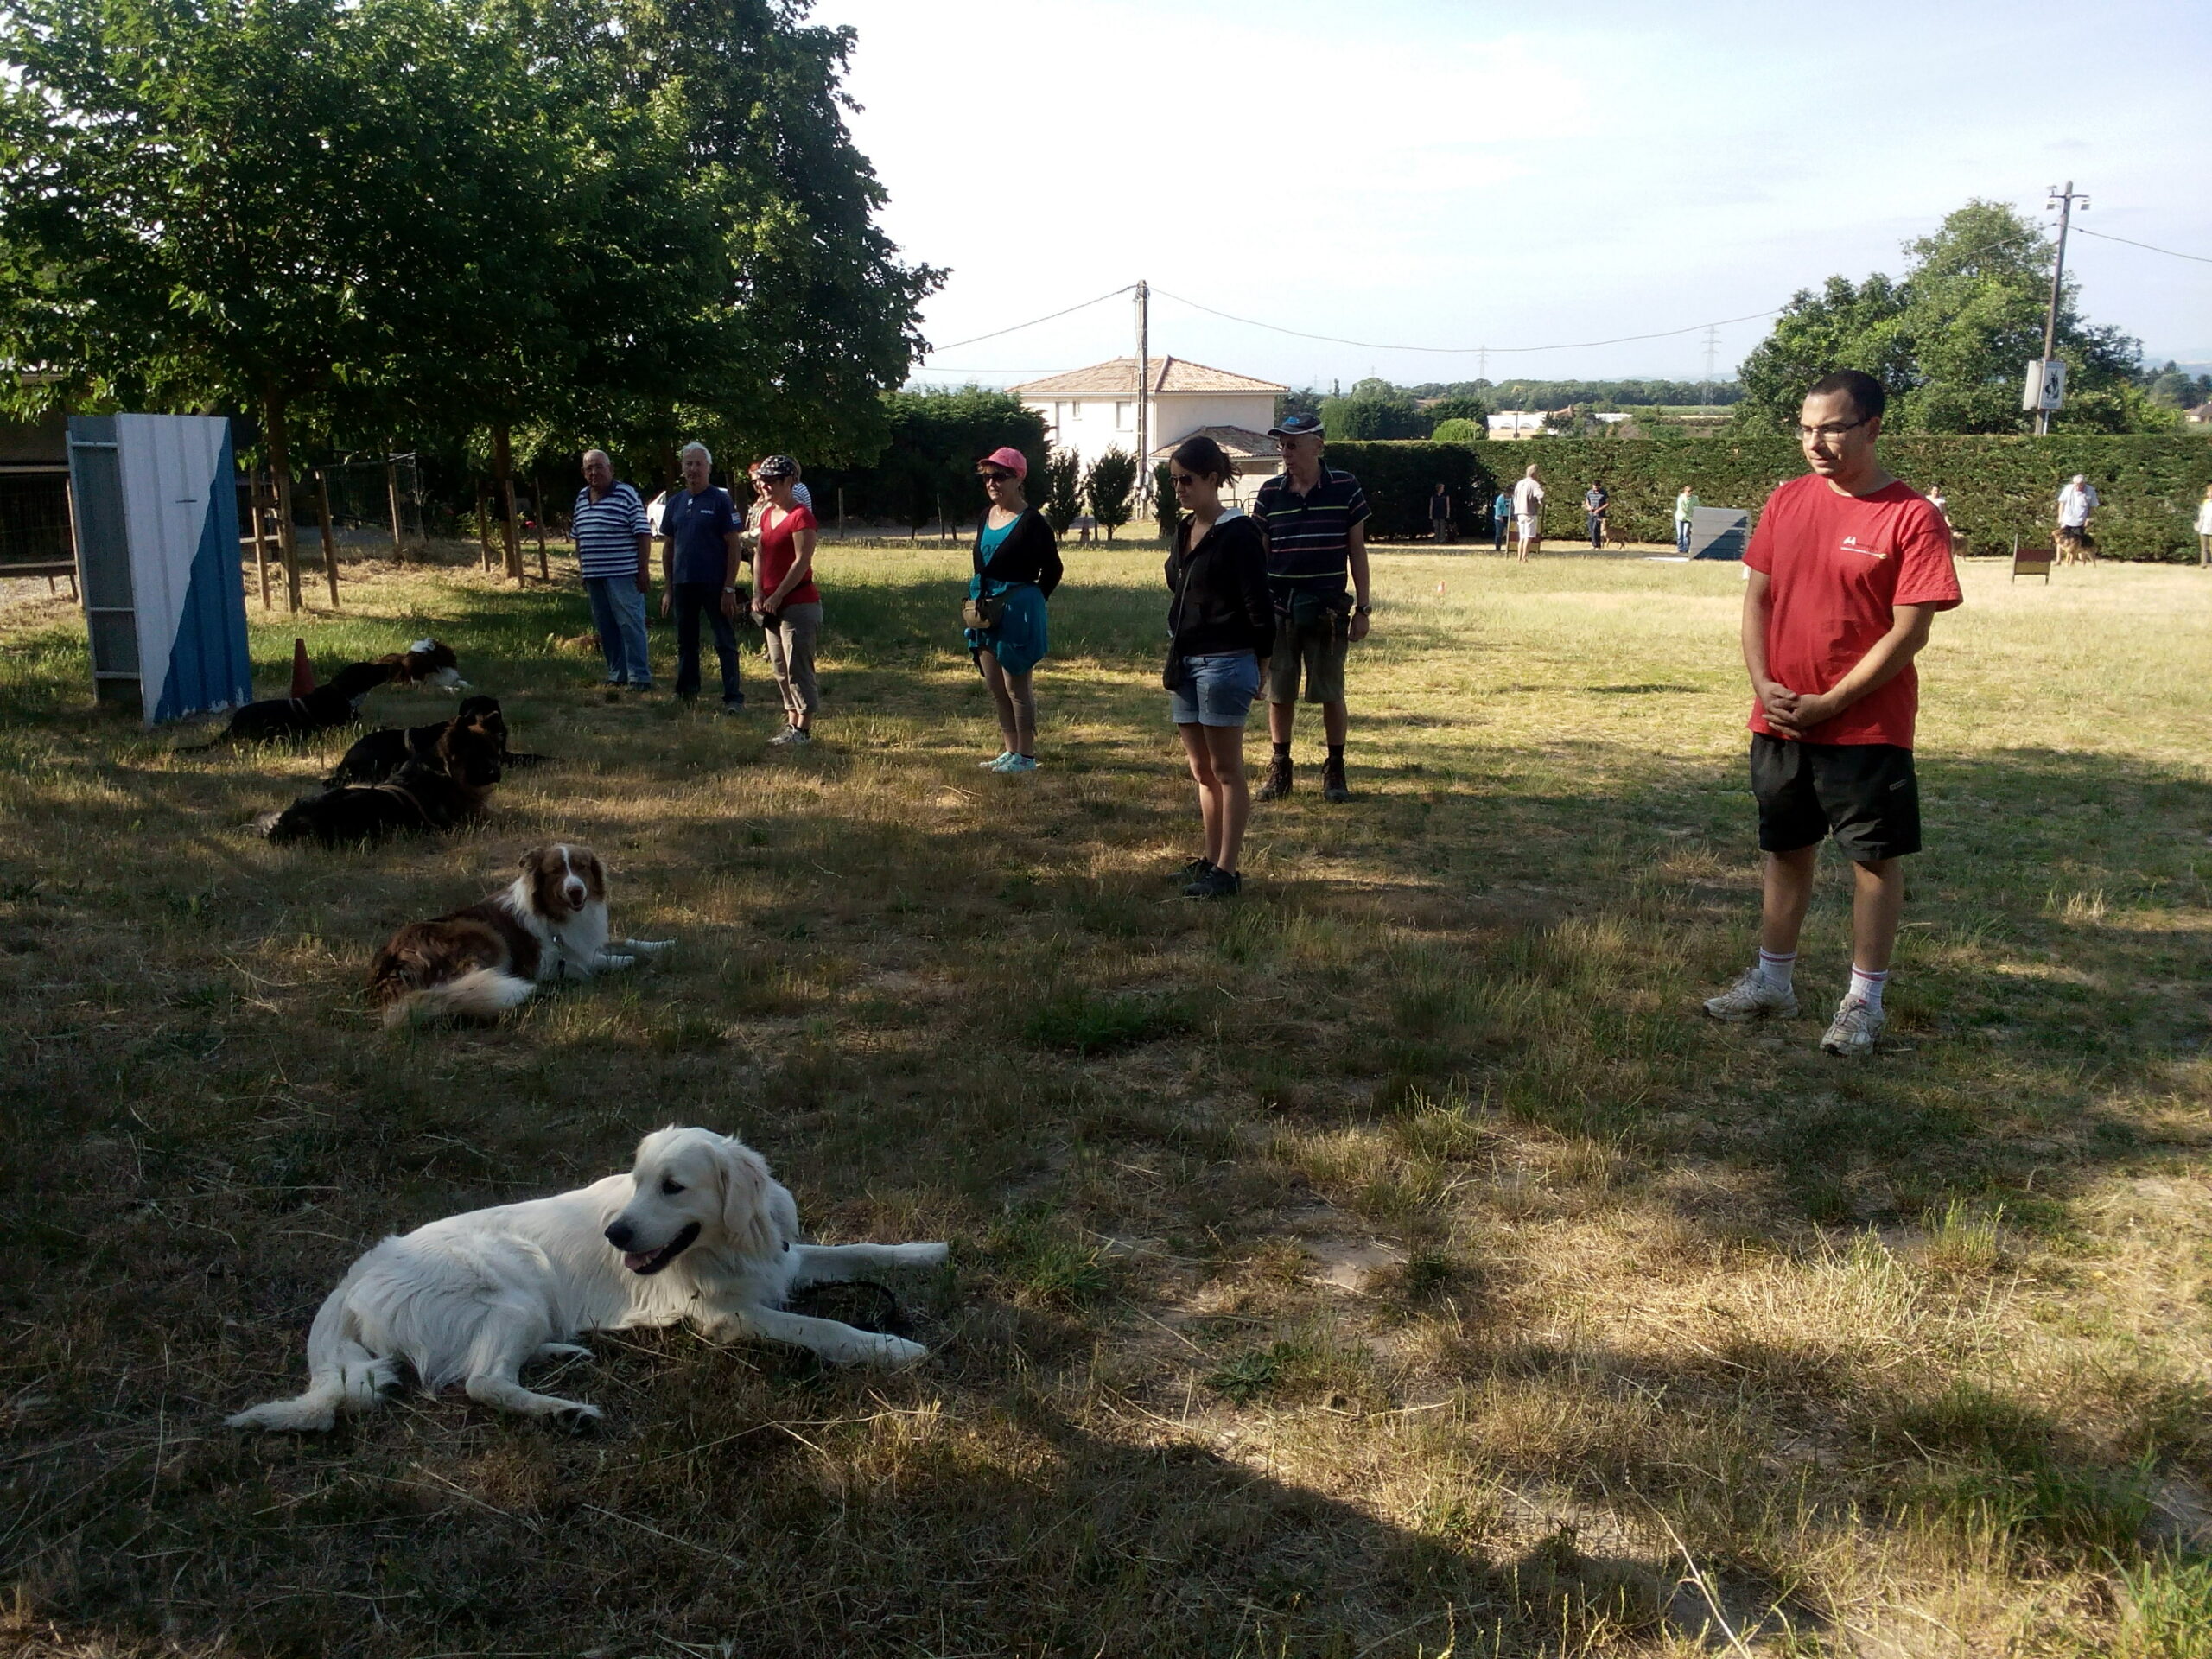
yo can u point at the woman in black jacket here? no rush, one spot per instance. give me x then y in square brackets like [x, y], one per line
[1016, 566]
[1221, 625]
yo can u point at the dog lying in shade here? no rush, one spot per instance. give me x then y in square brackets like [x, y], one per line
[384, 751]
[698, 1231]
[426, 662]
[337, 701]
[442, 793]
[477, 962]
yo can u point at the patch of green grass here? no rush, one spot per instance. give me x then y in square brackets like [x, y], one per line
[1091, 1022]
[2166, 1608]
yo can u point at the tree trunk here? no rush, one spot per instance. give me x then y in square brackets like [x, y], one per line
[280, 473]
[329, 540]
[503, 467]
[483, 525]
[537, 490]
[391, 493]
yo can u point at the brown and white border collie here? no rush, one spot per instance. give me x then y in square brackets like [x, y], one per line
[549, 923]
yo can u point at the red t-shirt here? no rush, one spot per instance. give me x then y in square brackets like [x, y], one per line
[776, 555]
[1838, 567]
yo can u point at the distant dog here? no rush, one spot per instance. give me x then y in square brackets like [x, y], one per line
[384, 751]
[549, 923]
[426, 662]
[443, 794]
[698, 1230]
[337, 703]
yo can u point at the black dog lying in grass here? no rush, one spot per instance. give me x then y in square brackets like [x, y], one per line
[384, 751]
[442, 793]
[336, 703]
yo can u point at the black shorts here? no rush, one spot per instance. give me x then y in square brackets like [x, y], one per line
[1863, 794]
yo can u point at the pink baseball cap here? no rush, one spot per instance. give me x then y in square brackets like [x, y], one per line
[1012, 460]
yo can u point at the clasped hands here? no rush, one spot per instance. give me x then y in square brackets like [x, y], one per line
[1793, 714]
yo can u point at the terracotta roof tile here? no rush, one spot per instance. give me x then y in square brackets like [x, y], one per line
[1169, 374]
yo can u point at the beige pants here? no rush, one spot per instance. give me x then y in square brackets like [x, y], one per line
[790, 658]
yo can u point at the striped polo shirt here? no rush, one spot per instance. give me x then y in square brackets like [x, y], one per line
[607, 531]
[1309, 536]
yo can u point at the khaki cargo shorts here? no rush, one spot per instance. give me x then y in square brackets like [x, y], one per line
[1316, 652]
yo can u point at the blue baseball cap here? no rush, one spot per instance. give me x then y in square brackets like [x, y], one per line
[1296, 426]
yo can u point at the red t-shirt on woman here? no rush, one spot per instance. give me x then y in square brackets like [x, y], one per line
[1838, 566]
[776, 555]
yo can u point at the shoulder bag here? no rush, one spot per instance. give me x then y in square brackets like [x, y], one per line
[982, 609]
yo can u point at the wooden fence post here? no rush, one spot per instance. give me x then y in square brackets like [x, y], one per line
[392, 494]
[329, 540]
[260, 533]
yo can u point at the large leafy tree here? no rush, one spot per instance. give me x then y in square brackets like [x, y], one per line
[1951, 337]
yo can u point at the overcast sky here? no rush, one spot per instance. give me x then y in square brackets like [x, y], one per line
[1416, 171]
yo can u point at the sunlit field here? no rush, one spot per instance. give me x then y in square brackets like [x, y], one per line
[1391, 1261]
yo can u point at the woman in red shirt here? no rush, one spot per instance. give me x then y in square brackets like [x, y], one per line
[786, 601]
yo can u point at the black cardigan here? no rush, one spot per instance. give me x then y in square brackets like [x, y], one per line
[1223, 604]
[1030, 553]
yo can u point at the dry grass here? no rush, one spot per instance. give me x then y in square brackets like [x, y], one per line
[1390, 1263]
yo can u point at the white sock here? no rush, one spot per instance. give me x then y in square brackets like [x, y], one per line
[1867, 987]
[1776, 970]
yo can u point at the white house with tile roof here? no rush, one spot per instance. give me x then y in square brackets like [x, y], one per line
[1091, 410]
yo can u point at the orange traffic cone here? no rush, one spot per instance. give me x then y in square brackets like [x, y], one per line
[302, 670]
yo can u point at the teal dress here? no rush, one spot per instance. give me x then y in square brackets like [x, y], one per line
[1019, 639]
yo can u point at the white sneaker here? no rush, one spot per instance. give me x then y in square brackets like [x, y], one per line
[1752, 997]
[790, 734]
[1858, 1024]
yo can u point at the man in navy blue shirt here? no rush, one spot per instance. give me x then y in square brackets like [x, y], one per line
[702, 540]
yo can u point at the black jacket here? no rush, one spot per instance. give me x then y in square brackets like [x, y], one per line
[1030, 553]
[1221, 587]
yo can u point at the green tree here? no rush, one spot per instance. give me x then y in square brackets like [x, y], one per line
[1951, 338]
[1457, 406]
[1062, 491]
[1166, 512]
[1458, 430]
[1365, 416]
[1108, 486]
[928, 465]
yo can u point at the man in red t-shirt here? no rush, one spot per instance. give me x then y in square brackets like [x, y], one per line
[1847, 569]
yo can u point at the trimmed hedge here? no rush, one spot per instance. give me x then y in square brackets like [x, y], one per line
[1996, 488]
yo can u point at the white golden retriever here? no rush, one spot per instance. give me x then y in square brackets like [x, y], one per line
[697, 1230]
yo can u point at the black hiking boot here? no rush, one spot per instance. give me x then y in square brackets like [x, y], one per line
[1278, 780]
[1332, 781]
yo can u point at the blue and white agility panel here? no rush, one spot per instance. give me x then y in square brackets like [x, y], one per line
[158, 559]
[1719, 532]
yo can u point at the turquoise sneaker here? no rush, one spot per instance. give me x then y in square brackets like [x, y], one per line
[1014, 763]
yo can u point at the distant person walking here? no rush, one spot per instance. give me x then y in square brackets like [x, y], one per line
[701, 545]
[614, 550]
[1595, 501]
[786, 603]
[1017, 565]
[1220, 625]
[1439, 514]
[2077, 499]
[1844, 575]
[1529, 512]
[2204, 528]
[1501, 518]
[1316, 523]
[1686, 505]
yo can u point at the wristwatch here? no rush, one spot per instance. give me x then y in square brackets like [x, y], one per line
[1362, 610]
[729, 590]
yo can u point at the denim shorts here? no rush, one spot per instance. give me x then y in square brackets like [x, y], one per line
[1217, 691]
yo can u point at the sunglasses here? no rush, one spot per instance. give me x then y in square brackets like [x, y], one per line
[999, 477]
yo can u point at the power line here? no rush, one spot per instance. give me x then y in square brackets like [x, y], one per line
[974, 340]
[1463, 351]
[2107, 236]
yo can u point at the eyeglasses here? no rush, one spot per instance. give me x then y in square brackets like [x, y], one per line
[998, 478]
[1831, 432]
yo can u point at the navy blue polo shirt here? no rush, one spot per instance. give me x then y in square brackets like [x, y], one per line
[698, 524]
[1309, 536]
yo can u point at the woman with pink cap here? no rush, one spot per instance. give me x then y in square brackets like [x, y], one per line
[1017, 565]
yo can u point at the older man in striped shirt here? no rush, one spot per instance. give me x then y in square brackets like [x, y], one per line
[616, 551]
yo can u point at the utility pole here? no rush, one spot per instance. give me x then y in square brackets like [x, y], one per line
[1712, 351]
[1144, 399]
[2063, 201]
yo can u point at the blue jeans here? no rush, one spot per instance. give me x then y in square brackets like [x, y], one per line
[694, 599]
[1682, 537]
[618, 611]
